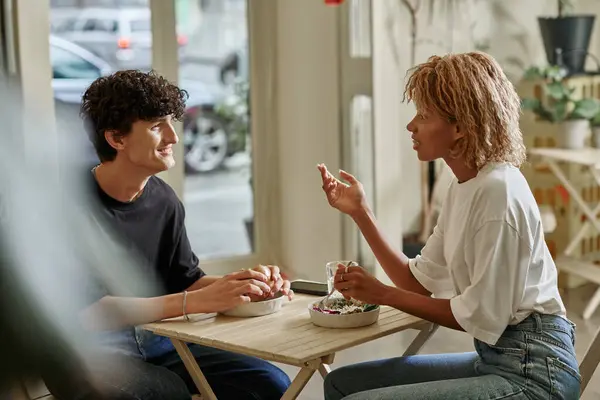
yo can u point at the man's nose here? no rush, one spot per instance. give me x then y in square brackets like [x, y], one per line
[171, 136]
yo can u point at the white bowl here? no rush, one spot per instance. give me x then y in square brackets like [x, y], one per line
[341, 321]
[257, 308]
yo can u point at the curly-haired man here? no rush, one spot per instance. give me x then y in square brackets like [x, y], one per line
[129, 118]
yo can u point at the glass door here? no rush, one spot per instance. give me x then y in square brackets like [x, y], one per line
[217, 153]
[89, 39]
[219, 141]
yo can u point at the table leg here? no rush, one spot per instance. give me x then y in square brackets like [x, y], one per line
[298, 383]
[419, 341]
[194, 370]
[325, 368]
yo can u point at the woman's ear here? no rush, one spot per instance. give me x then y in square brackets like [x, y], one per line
[458, 132]
[114, 139]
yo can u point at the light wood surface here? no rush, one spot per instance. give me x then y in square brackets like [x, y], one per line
[287, 336]
[587, 156]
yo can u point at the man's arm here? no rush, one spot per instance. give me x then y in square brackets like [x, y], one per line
[110, 313]
[203, 282]
[218, 294]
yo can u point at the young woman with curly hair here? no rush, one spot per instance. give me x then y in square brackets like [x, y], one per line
[485, 270]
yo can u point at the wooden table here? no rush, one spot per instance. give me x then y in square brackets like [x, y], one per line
[566, 262]
[287, 336]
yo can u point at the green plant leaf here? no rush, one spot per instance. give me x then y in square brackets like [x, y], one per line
[533, 73]
[559, 113]
[556, 90]
[585, 109]
[530, 104]
[535, 106]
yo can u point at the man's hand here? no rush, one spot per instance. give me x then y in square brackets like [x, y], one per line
[357, 283]
[276, 281]
[228, 292]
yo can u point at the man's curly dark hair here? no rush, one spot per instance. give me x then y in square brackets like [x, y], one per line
[116, 101]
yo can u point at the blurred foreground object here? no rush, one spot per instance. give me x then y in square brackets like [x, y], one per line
[51, 247]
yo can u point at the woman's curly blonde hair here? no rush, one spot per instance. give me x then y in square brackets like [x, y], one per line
[472, 90]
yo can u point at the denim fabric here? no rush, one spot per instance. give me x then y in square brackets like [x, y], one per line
[534, 359]
[134, 342]
[125, 377]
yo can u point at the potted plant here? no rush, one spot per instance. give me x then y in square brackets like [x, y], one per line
[562, 107]
[567, 37]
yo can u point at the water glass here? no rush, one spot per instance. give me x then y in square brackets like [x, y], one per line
[332, 268]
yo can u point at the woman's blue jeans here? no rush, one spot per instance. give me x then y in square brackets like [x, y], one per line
[534, 359]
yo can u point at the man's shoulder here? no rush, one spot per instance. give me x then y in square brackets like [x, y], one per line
[162, 189]
[165, 197]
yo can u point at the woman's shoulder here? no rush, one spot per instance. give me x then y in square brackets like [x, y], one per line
[504, 194]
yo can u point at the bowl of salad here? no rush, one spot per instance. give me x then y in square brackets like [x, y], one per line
[338, 312]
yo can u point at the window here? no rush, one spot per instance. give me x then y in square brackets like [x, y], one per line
[61, 26]
[140, 25]
[100, 25]
[68, 65]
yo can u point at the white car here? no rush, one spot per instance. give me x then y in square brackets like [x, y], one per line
[120, 36]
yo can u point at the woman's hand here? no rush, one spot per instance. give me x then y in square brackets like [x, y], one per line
[357, 283]
[349, 199]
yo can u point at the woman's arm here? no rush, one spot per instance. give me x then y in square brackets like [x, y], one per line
[434, 310]
[394, 263]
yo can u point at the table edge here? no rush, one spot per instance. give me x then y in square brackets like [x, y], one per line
[417, 324]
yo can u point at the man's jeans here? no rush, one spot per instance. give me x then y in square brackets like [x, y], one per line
[534, 359]
[125, 377]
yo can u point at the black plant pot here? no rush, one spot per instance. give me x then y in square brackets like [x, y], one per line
[572, 36]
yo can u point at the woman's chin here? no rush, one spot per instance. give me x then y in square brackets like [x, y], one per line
[420, 155]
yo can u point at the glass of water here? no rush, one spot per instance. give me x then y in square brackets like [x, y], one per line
[332, 268]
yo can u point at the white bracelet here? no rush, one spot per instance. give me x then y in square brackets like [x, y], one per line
[187, 318]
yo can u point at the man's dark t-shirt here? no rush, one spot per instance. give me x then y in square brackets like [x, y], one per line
[152, 229]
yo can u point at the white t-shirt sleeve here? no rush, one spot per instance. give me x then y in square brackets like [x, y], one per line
[430, 269]
[499, 266]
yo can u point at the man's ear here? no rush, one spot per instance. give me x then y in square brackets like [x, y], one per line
[114, 139]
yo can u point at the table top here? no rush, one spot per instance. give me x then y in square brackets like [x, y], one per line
[587, 156]
[287, 336]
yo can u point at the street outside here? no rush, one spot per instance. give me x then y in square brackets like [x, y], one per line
[217, 204]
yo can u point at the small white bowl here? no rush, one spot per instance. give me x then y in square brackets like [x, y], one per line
[257, 308]
[342, 321]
